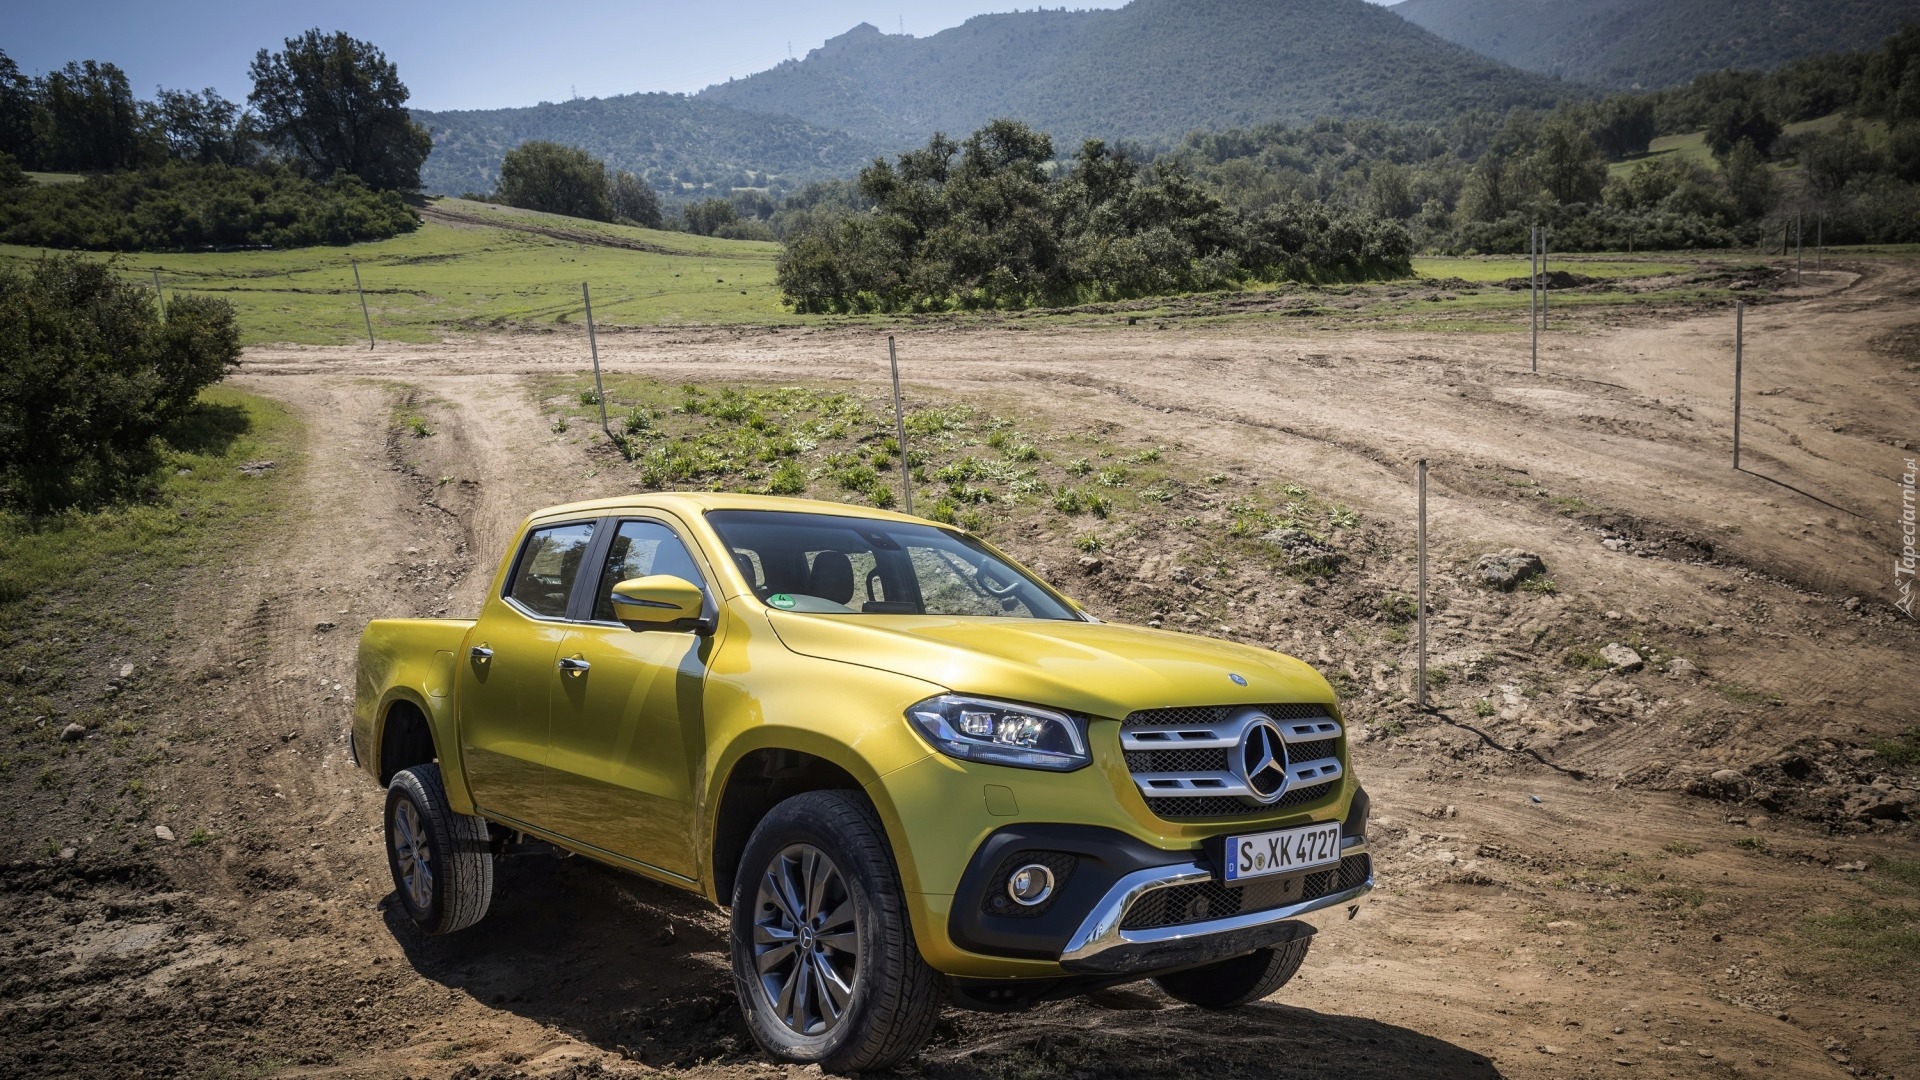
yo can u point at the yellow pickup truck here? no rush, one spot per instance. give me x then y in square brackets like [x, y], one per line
[913, 772]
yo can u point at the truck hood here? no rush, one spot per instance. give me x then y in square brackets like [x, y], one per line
[1099, 669]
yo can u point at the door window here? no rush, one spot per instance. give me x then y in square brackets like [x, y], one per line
[548, 566]
[641, 549]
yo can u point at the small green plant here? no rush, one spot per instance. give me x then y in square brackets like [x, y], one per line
[1751, 843]
[1088, 542]
[790, 478]
[1292, 491]
[1217, 478]
[637, 420]
[589, 397]
[1147, 456]
[200, 837]
[1343, 517]
[880, 496]
[1681, 848]
[1542, 585]
[417, 426]
[1569, 504]
[1156, 495]
[1741, 695]
[1438, 678]
[1484, 708]
[1113, 476]
[943, 511]
[1395, 634]
[1584, 658]
[1187, 522]
[1399, 608]
[1902, 749]
[1905, 871]
[560, 426]
[1079, 467]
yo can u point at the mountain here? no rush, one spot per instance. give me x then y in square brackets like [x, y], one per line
[1656, 43]
[672, 140]
[1152, 70]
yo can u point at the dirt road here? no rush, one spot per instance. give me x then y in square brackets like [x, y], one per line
[1554, 900]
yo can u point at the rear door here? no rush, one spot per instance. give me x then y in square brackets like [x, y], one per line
[506, 679]
[626, 721]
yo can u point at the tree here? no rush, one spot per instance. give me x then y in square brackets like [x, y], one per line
[709, 216]
[634, 201]
[203, 128]
[540, 175]
[1736, 118]
[1623, 125]
[90, 378]
[335, 104]
[88, 119]
[1749, 181]
[17, 108]
[1567, 164]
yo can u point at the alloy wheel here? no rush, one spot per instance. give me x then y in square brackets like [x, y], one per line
[413, 853]
[806, 943]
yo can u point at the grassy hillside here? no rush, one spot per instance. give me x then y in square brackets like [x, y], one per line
[493, 270]
[1656, 43]
[678, 143]
[1154, 69]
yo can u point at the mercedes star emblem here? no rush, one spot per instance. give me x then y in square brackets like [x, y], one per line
[1262, 760]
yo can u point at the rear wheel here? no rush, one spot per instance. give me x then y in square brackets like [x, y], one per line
[824, 961]
[1230, 984]
[442, 862]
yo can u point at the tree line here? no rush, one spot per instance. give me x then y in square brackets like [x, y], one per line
[1479, 181]
[322, 150]
[991, 223]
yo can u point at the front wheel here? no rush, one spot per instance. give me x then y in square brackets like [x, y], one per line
[1230, 984]
[824, 961]
[442, 862]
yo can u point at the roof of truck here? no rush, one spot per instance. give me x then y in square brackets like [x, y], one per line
[695, 503]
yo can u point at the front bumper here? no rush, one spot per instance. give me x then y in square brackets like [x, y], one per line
[1104, 945]
[1125, 907]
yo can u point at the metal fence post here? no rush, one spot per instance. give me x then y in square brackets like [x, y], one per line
[158, 295]
[593, 343]
[1797, 247]
[1420, 601]
[1533, 292]
[363, 302]
[1819, 236]
[1543, 277]
[1739, 334]
[900, 429]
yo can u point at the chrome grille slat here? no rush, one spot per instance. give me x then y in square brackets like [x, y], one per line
[1181, 758]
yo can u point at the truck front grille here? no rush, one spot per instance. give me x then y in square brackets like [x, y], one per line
[1183, 760]
[1200, 902]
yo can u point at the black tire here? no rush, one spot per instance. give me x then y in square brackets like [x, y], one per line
[1230, 984]
[894, 997]
[452, 849]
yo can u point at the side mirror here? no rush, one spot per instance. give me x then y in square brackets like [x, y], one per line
[660, 602]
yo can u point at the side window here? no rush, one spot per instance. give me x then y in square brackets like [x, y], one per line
[641, 549]
[548, 566]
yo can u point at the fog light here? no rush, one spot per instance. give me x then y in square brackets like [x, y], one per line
[1030, 885]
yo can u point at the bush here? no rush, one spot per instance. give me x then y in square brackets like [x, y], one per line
[179, 207]
[90, 378]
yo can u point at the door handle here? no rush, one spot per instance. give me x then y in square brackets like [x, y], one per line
[480, 653]
[574, 666]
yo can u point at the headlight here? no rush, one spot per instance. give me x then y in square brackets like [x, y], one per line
[977, 729]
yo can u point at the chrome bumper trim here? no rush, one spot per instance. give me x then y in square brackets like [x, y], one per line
[1101, 930]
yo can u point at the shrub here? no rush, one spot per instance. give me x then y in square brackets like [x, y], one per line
[180, 207]
[90, 378]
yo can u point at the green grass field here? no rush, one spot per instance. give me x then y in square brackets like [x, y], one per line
[1477, 269]
[452, 277]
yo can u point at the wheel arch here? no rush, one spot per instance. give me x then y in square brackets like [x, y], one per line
[757, 780]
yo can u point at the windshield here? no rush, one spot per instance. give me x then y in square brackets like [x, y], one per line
[862, 566]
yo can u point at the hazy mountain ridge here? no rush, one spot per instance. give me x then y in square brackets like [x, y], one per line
[1656, 43]
[1154, 69]
[668, 138]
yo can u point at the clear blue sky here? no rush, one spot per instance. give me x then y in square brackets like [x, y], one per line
[479, 54]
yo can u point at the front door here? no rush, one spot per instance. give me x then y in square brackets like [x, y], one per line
[507, 676]
[626, 723]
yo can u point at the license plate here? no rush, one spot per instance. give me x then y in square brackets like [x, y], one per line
[1283, 851]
